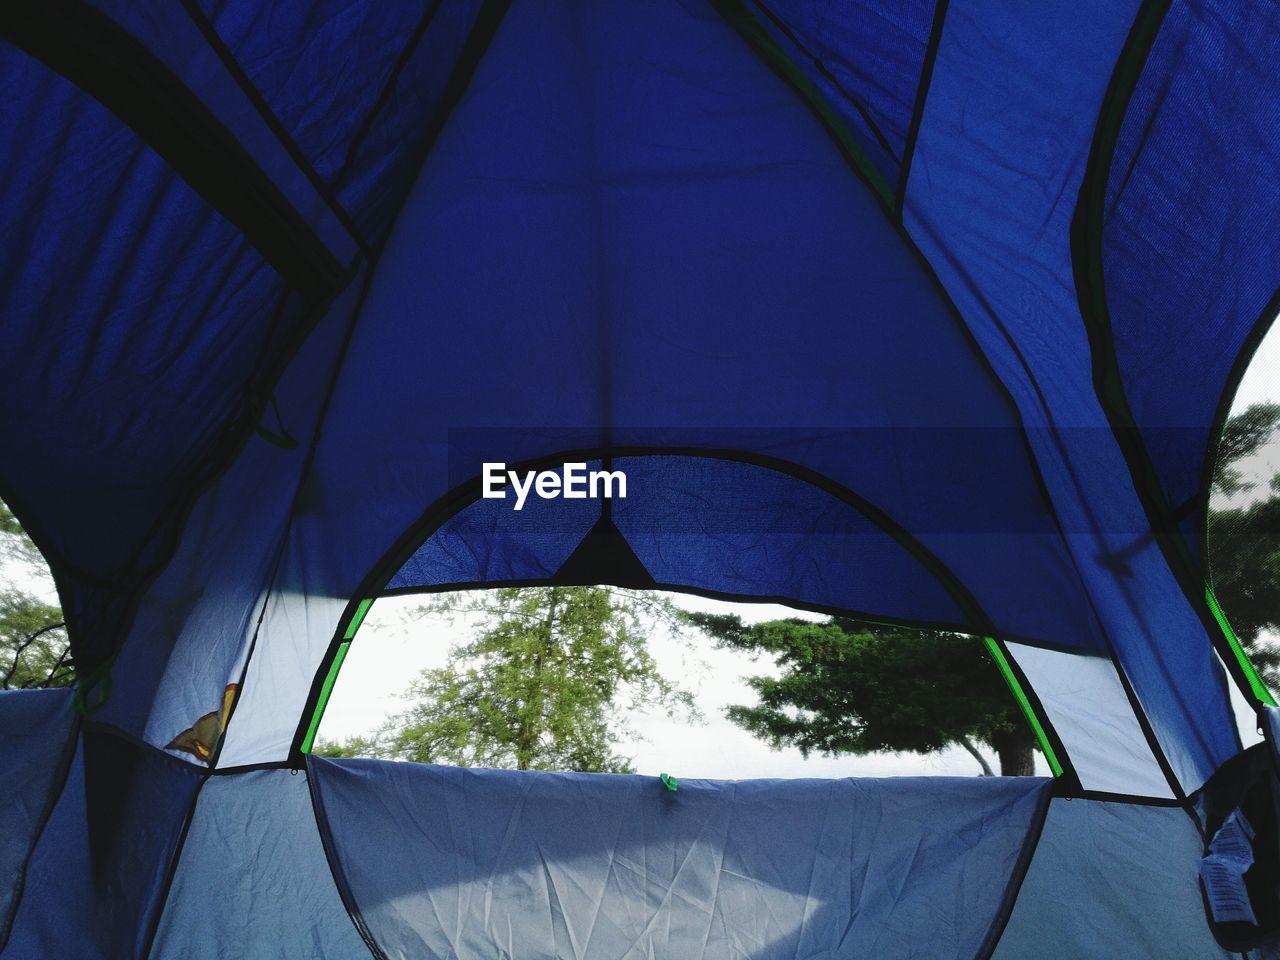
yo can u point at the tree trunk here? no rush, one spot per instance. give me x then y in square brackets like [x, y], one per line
[1016, 750]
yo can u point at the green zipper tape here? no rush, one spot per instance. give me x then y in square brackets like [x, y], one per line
[362, 610]
[1259, 688]
[1011, 679]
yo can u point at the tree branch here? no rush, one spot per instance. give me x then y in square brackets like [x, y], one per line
[21, 648]
[977, 755]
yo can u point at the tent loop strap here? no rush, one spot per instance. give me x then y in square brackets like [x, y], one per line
[98, 680]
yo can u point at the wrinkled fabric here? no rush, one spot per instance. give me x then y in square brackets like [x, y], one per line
[440, 861]
[1112, 880]
[37, 738]
[252, 881]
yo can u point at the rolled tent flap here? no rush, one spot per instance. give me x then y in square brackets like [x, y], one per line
[441, 861]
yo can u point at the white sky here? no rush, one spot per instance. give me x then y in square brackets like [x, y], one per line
[1261, 384]
[389, 650]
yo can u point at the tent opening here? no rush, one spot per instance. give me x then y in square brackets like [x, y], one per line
[605, 679]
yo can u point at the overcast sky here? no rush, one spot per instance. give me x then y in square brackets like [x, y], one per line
[391, 647]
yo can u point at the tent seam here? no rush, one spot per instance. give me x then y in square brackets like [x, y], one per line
[922, 96]
[1087, 266]
[171, 870]
[91, 51]
[821, 67]
[753, 33]
[286, 139]
[384, 95]
[338, 875]
[20, 887]
[1014, 887]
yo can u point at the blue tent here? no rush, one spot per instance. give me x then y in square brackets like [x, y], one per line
[924, 312]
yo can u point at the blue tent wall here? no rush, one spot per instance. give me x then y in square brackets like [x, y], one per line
[476, 863]
[765, 230]
[623, 237]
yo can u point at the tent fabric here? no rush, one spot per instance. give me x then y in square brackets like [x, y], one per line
[131, 345]
[867, 60]
[662, 283]
[37, 740]
[923, 312]
[1093, 713]
[168, 345]
[968, 220]
[1113, 877]
[363, 135]
[96, 881]
[192, 632]
[1194, 109]
[439, 861]
[252, 880]
[719, 526]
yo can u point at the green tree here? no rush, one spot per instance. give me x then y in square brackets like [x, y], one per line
[1244, 540]
[542, 684]
[846, 686]
[34, 650]
[851, 687]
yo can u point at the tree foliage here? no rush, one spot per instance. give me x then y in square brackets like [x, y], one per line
[850, 687]
[542, 684]
[33, 640]
[1244, 541]
[844, 686]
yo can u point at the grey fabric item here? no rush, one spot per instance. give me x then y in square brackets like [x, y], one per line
[445, 862]
[253, 881]
[36, 732]
[1112, 880]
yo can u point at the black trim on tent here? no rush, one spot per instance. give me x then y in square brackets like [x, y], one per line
[847, 613]
[922, 96]
[111, 730]
[95, 53]
[603, 556]
[827, 75]
[1134, 799]
[300, 159]
[335, 868]
[1016, 877]
[467, 493]
[20, 885]
[1086, 256]
[171, 870]
[753, 32]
